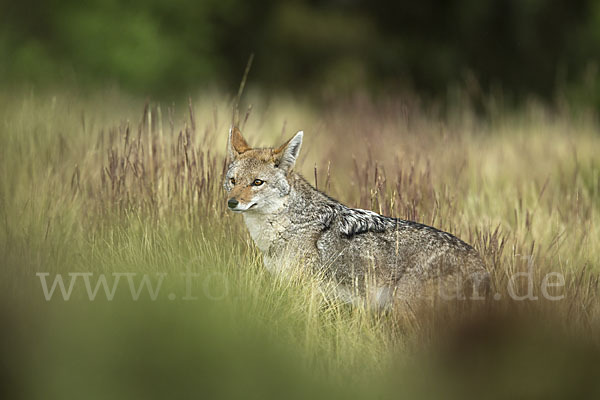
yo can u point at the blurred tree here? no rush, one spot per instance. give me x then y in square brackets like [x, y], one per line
[155, 46]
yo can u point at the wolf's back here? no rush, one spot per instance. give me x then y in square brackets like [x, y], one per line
[358, 244]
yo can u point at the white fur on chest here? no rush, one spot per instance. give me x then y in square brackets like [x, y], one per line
[266, 230]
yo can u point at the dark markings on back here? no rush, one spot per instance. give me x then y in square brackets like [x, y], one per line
[354, 222]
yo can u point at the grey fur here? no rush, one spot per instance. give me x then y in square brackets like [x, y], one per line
[360, 250]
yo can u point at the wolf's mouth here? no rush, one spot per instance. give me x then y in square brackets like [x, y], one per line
[243, 210]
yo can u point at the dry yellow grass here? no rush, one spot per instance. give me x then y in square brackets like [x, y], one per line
[109, 184]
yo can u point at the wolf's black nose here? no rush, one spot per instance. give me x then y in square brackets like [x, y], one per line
[232, 203]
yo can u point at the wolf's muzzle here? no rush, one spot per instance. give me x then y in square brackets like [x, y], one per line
[232, 203]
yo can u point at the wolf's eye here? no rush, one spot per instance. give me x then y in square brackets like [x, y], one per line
[257, 182]
[232, 180]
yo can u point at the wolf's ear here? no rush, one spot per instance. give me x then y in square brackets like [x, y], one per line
[286, 155]
[236, 144]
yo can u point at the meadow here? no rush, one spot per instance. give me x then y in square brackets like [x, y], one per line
[106, 184]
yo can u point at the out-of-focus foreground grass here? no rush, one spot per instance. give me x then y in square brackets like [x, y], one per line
[109, 185]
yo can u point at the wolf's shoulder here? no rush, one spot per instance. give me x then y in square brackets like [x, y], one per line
[351, 222]
[354, 221]
[335, 216]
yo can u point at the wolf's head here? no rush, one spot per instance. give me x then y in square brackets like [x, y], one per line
[256, 179]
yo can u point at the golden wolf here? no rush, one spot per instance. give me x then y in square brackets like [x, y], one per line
[368, 256]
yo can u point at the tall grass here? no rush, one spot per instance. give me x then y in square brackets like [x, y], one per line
[113, 184]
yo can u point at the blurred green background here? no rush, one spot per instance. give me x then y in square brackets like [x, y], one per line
[271, 338]
[516, 48]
